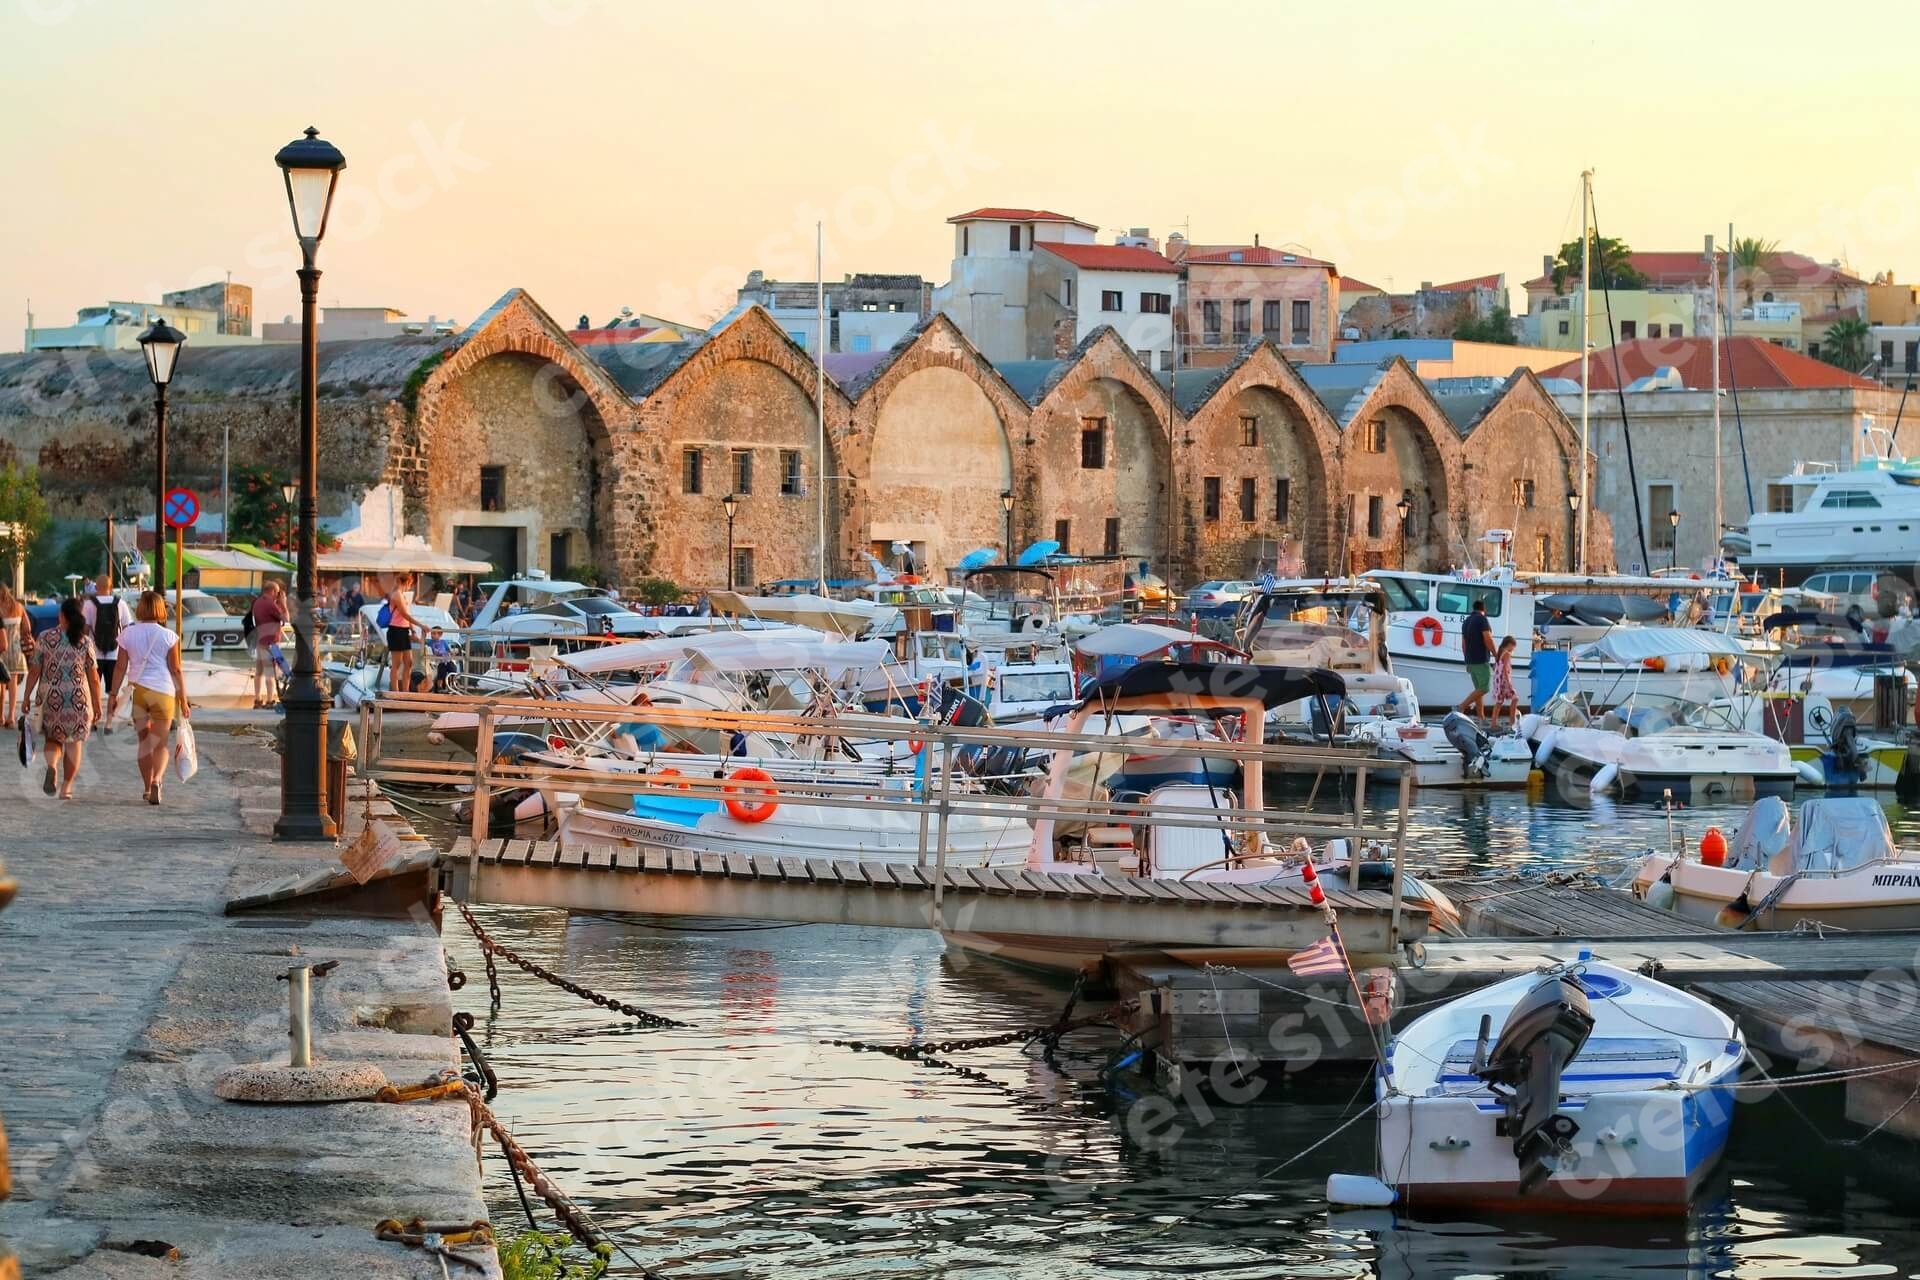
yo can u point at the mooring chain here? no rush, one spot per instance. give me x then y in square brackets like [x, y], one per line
[493, 948]
[1050, 1032]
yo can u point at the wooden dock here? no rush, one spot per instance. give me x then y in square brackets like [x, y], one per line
[997, 901]
[1563, 906]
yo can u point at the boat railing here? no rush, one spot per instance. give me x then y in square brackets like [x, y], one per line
[935, 795]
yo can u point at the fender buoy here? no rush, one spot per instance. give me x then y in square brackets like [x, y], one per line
[1428, 631]
[750, 810]
[1713, 848]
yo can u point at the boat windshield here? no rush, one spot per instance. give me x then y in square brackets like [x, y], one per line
[1320, 629]
[1036, 686]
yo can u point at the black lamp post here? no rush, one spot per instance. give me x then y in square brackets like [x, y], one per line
[161, 345]
[311, 167]
[1006, 509]
[289, 493]
[1405, 508]
[1573, 505]
[1673, 522]
[730, 505]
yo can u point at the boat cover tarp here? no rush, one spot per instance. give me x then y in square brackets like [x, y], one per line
[1838, 832]
[1133, 639]
[789, 649]
[1765, 833]
[1637, 644]
[654, 651]
[841, 617]
[1273, 686]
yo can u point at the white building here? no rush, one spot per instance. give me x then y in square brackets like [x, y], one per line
[865, 311]
[212, 315]
[358, 324]
[1127, 285]
[992, 293]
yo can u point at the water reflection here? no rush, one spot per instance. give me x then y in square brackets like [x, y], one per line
[742, 1146]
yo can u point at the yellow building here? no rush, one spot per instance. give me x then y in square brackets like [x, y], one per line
[1554, 319]
[1889, 302]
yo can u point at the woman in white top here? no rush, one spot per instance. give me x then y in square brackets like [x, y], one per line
[150, 663]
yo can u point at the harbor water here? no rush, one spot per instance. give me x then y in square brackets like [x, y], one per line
[744, 1145]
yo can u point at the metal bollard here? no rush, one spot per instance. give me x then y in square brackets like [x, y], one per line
[300, 1009]
[206, 647]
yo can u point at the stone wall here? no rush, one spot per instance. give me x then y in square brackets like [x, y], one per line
[1108, 393]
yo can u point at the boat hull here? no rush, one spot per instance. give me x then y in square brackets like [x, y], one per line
[1879, 896]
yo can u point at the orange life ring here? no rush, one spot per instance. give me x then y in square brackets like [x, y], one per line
[1428, 631]
[915, 746]
[750, 810]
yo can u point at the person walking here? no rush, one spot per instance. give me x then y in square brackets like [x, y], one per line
[150, 664]
[16, 641]
[269, 613]
[107, 615]
[400, 627]
[1476, 648]
[68, 681]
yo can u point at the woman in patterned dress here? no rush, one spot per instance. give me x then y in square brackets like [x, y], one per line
[15, 633]
[70, 701]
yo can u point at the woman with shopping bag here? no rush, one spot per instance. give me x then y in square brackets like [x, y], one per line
[68, 681]
[150, 666]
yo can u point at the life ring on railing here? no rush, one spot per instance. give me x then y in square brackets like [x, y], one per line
[1428, 631]
[750, 810]
[915, 746]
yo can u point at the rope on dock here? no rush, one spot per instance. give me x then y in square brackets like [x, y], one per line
[493, 948]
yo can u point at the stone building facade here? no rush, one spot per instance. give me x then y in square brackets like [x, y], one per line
[511, 444]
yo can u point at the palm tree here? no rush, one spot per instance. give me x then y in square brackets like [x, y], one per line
[1845, 345]
[1750, 258]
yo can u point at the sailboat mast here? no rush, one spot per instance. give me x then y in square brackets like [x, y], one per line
[1719, 492]
[820, 397]
[1586, 352]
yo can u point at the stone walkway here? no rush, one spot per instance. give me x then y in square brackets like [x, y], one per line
[124, 989]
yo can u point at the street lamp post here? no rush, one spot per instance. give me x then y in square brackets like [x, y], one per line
[730, 505]
[290, 494]
[1006, 509]
[161, 345]
[1573, 505]
[1673, 547]
[311, 167]
[1405, 508]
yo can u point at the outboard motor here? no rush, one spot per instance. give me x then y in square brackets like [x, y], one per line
[1542, 1034]
[1471, 741]
[1843, 740]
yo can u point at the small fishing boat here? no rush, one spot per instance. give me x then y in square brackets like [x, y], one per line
[1646, 751]
[1604, 1090]
[1839, 866]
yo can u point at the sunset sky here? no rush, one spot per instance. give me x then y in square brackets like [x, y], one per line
[604, 153]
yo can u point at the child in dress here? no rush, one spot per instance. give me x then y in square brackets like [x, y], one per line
[1504, 695]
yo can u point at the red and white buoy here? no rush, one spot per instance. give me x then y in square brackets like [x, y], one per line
[1314, 891]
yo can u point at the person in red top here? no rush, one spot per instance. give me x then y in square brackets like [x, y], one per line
[269, 616]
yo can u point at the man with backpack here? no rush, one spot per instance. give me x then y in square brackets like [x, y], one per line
[105, 613]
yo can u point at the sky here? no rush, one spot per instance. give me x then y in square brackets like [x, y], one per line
[610, 153]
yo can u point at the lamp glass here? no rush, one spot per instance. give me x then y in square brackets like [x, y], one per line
[289, 492]
[1573, 501]
[1673, 518]
[312, 167]
[1006, 500]
[161, 343]
[730, 504]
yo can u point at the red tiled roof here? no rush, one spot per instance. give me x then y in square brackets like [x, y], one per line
[1788, 269]
[1467, 286]
[1254, 255]
[1018, 215]
[1754, 363]
[1350, 285]
[1108, 257]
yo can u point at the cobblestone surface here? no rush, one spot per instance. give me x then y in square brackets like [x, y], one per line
[123, 987]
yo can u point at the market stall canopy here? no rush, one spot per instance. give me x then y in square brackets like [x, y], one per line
[351, 559]
[218, 567]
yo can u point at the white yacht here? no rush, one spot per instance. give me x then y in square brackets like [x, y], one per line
[1865, 515]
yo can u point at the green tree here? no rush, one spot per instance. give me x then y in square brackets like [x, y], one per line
[657, 591]
[82, 553]
[23, 515]
[1497, 327]
[1610, 267]
[1751, 258]
[1846, 344]
[260, 513]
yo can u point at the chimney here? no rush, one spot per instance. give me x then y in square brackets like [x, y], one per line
[1546, 264]
[1426, 286]
[1256, 239]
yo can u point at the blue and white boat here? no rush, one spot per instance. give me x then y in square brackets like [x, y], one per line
[1602, 1090]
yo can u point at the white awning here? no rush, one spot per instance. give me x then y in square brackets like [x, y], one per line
[1637, 644]
[1136, 639]
[841, 617]
[784, 649]
[382, 559]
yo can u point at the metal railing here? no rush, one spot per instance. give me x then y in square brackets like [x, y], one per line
[941, 791]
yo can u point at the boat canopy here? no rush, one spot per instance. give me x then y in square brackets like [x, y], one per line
[1637, 644]
[347, 558]
[839, 617]
[1134, 640]
[785, 649]
[1837, 833]
[1273, 686]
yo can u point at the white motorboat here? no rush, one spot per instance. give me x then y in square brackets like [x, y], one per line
[1456, 753]
[1865, 515]
[1839, 866]
[1647, 751]
[1603, 1090]
[1332, 624]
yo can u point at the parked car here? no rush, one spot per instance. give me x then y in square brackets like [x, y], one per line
[1863, 587]
[1210, 597]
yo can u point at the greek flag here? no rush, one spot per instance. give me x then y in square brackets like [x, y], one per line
[1324, 957]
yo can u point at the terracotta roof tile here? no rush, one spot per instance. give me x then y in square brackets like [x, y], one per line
[1754, 363]
[1254, 255]
[1464, 286]
[1690, 268]
[1108, 257]
[995, 214]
